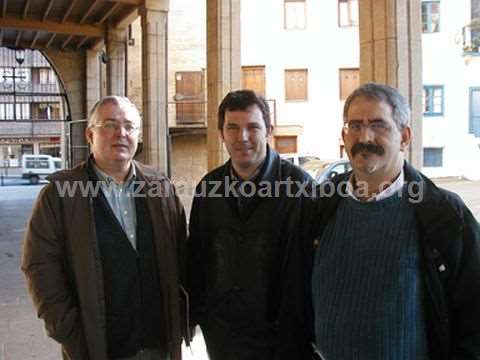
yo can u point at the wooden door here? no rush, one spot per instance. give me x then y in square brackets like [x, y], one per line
[189, 97]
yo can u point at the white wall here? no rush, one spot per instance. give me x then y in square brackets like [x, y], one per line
[322, 48]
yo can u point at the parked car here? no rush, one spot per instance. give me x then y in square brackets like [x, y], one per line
[299, 159]
[36, 167]
[330, 169]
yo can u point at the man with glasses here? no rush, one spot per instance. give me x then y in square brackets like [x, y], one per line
[396, 271]
[102, 250]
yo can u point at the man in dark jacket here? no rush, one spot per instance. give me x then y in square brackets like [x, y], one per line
[103, 247]
[396, 272]
[245, 265]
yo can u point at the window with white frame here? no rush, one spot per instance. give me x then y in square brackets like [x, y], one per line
[347, 13]
[433, 100]
[295, 14]
[430, 16]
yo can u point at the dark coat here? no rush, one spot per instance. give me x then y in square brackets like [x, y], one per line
[61, 262]
[450, 262]
[246, 267]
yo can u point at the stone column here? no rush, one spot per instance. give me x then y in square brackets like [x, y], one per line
[223, 67]
[154, 15]
[115, 44]
[93, 79]
[391, 53]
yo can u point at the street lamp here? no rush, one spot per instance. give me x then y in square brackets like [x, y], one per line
[20, 56]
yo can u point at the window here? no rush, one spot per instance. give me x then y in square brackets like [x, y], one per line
[347, 13]
[349, 81]
[432, 157]
[295, 14]
[45, 111]
[46, 76]
[296, 85]
[474, 125]
[189, 97]
[430, 16]
[433, 100]
[286, 144]
[253, 78]
[22, 111]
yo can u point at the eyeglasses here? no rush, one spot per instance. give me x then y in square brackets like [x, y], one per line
[112, 127]
[356, 127]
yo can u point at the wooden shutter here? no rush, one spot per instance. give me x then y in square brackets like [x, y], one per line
[253, 78]
[286, 144]
[296, 85]
[349, 81]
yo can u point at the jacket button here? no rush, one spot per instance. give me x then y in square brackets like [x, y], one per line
[442, 268]
[435, 253]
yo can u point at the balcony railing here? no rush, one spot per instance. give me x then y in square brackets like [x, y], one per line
[194, 113]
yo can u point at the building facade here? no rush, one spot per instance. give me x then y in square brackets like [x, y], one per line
[304, 57]
[32, 107]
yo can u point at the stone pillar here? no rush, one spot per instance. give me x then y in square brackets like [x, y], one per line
[391, 53]
[115, 44]
[223, 67]
[154, 15]
[93, 79]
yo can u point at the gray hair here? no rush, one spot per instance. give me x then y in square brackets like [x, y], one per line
[382, 93]
[122, 102]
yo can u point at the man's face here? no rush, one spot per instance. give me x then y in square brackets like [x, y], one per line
[109, 139]
[373, 141]
[245, 136]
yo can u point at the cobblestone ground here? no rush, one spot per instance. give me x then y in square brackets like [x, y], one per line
[21, 334]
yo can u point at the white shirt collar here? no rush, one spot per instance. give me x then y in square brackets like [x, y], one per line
[394, 187]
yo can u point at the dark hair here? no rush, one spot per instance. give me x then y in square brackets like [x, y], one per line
[383, 93]
[241, 100]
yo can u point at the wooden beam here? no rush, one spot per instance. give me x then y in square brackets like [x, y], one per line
[35, 38]
[49, 42]
[26, 7]
[127, 19]
[108, 13]
[80, 44]
[19, 36]
[1, 37]
[4, 9]
[127, 2]
[47, 10]
[51, 26]
[89, 10]
[67, 40]
[69, 10]
[97, 44]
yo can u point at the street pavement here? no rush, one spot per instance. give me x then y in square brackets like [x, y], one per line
[21, 334]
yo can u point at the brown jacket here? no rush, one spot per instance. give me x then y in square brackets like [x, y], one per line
[62, 264]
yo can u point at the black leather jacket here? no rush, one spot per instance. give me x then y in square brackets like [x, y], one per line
[450, 243]
[247, 276]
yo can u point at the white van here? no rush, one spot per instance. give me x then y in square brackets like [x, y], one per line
[36, 167]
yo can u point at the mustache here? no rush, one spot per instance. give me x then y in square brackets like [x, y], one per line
[367, 147]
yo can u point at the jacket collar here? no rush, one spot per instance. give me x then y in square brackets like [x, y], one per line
[267, 171]
[437, 218]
